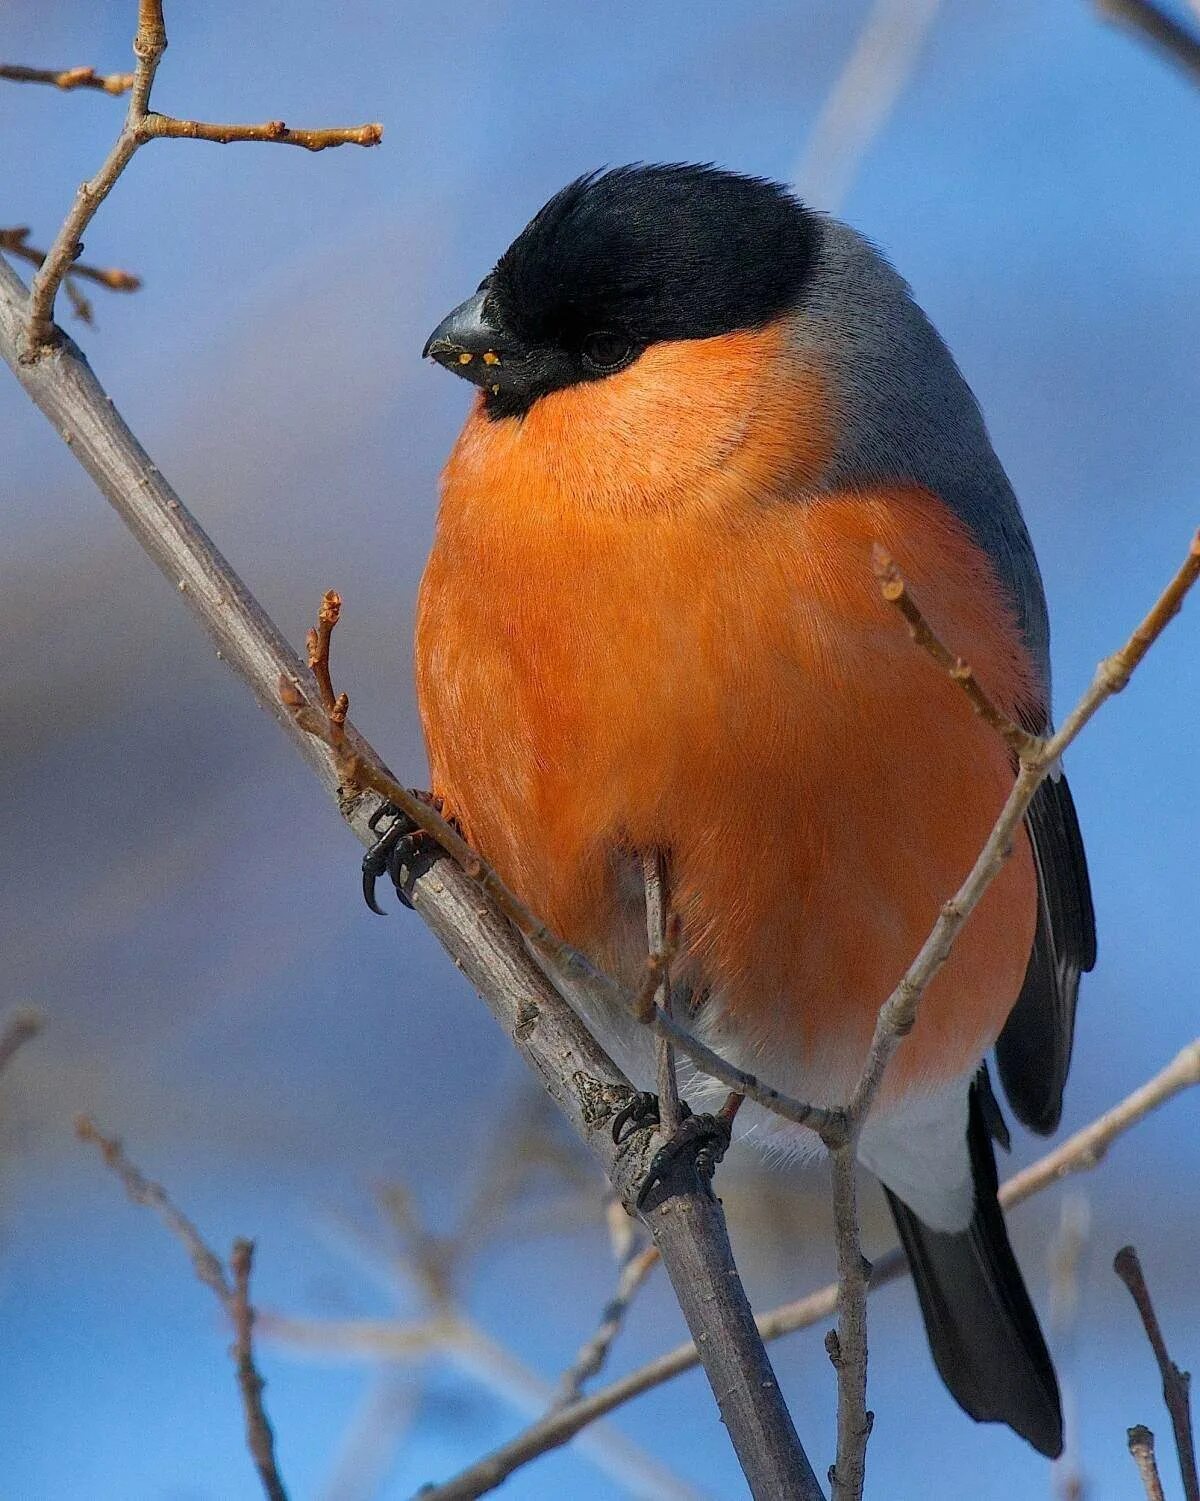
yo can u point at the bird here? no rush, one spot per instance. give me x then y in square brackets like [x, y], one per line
[649, 625]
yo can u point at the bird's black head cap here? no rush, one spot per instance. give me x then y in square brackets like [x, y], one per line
[622, 259]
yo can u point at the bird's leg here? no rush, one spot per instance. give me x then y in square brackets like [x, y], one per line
[396, 851]
[705, 1138]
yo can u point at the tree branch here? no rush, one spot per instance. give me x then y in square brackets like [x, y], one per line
[1080, 1153]
[882, 61]
[233, 1295]
[1175, 1383]
[660, 952]
[688, 1227]
[14, 241]
[69, 79]
[141, 125]
[634, 1270]
[1141, 1446]
[1159, 28]
[20, 1028]
[260, 1438]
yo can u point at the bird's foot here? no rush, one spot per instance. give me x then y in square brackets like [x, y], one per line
[397, 851]
[704, 1138]
[638, 1115]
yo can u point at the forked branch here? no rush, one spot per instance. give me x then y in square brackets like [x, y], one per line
[15, 242]
[1080, 1153]
[142, 125]
[1176, 1384]
[230, 1286]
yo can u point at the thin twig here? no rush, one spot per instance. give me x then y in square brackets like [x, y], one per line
[1037, 757]
[592, 1355]
[895, 590]
[1157, 26]
[207, 1265]
[260, 1438]
[828, 1123]
[1066, 1258]
[69, 79]
[1086, 1149]
[142, 125]
[1141, 1446]
[361, 773]
[882, 61]
[231, 1289]
[1175, 1383]
[654, 883]
[19, 1029]
[14, 242]
[1078, 1154]
[277, 132]
[899, 1011]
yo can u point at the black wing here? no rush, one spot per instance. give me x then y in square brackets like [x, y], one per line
[1034, 1049]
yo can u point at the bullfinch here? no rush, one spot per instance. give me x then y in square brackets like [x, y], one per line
[649, 623]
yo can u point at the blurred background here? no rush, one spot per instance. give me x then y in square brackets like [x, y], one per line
[180, 900]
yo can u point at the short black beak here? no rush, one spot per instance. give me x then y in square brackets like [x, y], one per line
[467, 342]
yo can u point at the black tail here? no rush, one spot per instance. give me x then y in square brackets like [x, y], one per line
[984, 1335]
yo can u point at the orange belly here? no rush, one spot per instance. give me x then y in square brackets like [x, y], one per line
[730, 688]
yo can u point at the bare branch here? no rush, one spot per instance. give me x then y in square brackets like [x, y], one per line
[1141, 1446]
[894, 589]
[231, 1289]
[69, 79]
[899, 1011]
[142, 125]
[364, 773]
[592, 1355]
[1163, 31]
[654, 881]
[1175, 1383]
[828, 1123]
[1038, 759]
[857, 108]
[1078, 1154]
[848, 1346]
[14, 242]
[207, 1265]
[19, 1029]
[260, 1439]
[584, 1082]
[166, 127]
[1086, 1149]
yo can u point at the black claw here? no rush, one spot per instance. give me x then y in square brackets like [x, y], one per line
[381, 859]
[369, 877]
[642, 1111]
[705, 1137]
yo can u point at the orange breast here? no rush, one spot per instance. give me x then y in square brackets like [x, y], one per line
[628, 637]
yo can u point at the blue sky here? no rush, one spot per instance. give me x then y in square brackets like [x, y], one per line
[182, 905]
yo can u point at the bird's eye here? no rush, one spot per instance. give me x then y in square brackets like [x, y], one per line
[608, 351]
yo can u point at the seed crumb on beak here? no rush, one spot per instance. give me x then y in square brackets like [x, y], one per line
[465, 358]
[491, 357]
[495, 390]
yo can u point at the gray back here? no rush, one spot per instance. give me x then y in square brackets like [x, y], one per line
[904, 411]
